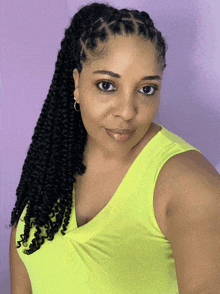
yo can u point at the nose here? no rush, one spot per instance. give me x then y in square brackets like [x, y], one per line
[125, 107]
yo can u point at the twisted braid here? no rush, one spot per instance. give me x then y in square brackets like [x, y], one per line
[55, 154]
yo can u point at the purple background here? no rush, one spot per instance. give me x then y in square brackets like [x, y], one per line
[30, 36]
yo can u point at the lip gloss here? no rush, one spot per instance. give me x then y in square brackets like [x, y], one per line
[119, 137]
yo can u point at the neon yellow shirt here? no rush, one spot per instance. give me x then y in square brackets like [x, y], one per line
[122, 249]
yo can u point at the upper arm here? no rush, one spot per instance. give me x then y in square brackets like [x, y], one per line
[193, 225]
[20, 282]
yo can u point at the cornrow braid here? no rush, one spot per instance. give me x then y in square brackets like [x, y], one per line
[115, 23]
[55, 154]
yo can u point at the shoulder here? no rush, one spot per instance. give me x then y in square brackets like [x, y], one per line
[191, 172]
[193, 222]
[191, 178]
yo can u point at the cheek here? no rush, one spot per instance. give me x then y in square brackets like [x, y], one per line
[91, 117]
[150, 106]
[153, 106]
[147, 114]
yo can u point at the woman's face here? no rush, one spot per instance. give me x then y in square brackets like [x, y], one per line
[122, 101]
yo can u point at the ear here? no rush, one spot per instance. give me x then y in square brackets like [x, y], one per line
[76, 82]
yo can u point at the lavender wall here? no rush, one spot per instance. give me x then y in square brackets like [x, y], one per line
[30, 36]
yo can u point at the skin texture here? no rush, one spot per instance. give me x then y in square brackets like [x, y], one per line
[127, 107]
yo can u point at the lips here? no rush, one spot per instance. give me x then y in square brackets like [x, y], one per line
[121, 131]
[119, 134]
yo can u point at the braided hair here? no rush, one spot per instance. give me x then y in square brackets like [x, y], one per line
[55, 154]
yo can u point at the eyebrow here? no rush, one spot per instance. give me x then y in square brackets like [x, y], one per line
[115, 75]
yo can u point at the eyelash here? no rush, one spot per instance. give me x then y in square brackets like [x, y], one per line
[155, 88]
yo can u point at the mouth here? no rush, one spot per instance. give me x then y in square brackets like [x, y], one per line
[121, 131]
[119, 134]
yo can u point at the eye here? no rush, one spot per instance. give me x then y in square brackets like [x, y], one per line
[105, 86]
[149, 90]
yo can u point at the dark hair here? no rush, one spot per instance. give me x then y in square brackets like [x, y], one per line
[56, 152]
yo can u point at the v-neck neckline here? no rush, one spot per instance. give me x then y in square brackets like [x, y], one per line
[100, 220]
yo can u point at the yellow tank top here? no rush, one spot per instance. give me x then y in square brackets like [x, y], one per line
[122, 249]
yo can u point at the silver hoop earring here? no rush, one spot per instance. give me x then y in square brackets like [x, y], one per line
[75, 104]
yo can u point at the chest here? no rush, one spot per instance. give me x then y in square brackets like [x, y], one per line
[94, 191]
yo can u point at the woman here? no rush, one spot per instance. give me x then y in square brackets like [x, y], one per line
[109, 201]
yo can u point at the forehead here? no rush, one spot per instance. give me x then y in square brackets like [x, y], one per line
[124, 52]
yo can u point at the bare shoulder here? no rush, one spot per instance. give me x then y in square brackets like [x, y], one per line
[186, 165]
[190, 170]
[193, 222]
[192, 160]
